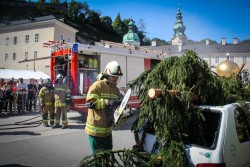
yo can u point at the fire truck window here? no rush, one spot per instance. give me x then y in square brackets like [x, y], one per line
[242, 124]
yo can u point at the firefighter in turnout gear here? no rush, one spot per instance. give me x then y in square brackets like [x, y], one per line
[62, 101]
[46, 96]
[102, 100]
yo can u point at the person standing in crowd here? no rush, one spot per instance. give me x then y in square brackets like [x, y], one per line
[31, 95]
[15, 95]
[40, 85]
[9, 96]
[21, 95]
[62, 100]
[46, 97]
[102, 98]
[2, 94]
[36, 92]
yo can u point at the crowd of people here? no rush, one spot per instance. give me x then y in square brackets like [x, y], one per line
[17, 96]
[53, 100]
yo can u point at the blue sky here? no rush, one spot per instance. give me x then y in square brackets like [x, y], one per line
[214, 19]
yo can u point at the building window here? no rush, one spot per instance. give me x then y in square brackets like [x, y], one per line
[217, 59]
[35, 54]
[26, 55]
[61, 37]
[231, 58]
[14, 56]
[68, 39]
[7, 41]
[6, 56]
[15, 40]
[244, 59]
[36, 37]
[27, 38]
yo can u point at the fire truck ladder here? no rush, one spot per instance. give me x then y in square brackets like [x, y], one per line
[69, 62]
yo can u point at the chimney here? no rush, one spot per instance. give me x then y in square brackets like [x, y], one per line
[207, 42]
[223, 41]
[235, 41]
[179, 48]
[153, 43]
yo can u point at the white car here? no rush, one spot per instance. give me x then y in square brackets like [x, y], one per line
[227, 134]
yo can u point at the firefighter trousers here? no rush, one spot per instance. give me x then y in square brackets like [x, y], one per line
[48, 114]
[61, 112]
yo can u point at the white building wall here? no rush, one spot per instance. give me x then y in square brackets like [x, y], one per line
[21, 47]
[60, 29]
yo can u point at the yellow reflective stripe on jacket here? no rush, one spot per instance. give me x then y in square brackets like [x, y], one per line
[92, 96]
[60, 104]
[98, 130]
[48, 103]
[109, 96]
[100, 104]
[59, 88]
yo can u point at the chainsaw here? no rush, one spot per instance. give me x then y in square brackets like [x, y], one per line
[123, 112]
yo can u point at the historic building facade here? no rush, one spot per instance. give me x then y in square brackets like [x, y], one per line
[24, 39]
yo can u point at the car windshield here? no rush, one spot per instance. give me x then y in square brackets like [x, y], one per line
[207, 135]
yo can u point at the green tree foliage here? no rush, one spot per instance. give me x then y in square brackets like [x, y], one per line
[246, 41]
[160, 42]
[146, 41]
[94, 19]
[106, 22]
[74, 10]
[173, 117]
[119, 25]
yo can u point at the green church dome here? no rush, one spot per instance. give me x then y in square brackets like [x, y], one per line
[131, 37]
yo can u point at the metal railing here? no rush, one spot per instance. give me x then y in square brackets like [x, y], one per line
[19, 101]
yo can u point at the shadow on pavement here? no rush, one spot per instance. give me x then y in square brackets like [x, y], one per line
[76, 127]
[20, 133]
[7, 115]
[13, 165]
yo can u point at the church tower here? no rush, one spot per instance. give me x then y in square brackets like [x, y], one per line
[179, 37]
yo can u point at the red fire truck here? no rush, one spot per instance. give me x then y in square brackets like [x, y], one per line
[81, 63]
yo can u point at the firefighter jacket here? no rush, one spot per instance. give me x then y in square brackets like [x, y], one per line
[62, 91]
[46, 96]
[100, 115]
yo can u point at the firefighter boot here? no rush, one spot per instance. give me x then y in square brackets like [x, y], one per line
[52, 119]
[45, 119]
[64, 121]
[57, 121]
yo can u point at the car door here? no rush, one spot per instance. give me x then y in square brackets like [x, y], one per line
[237, 138]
